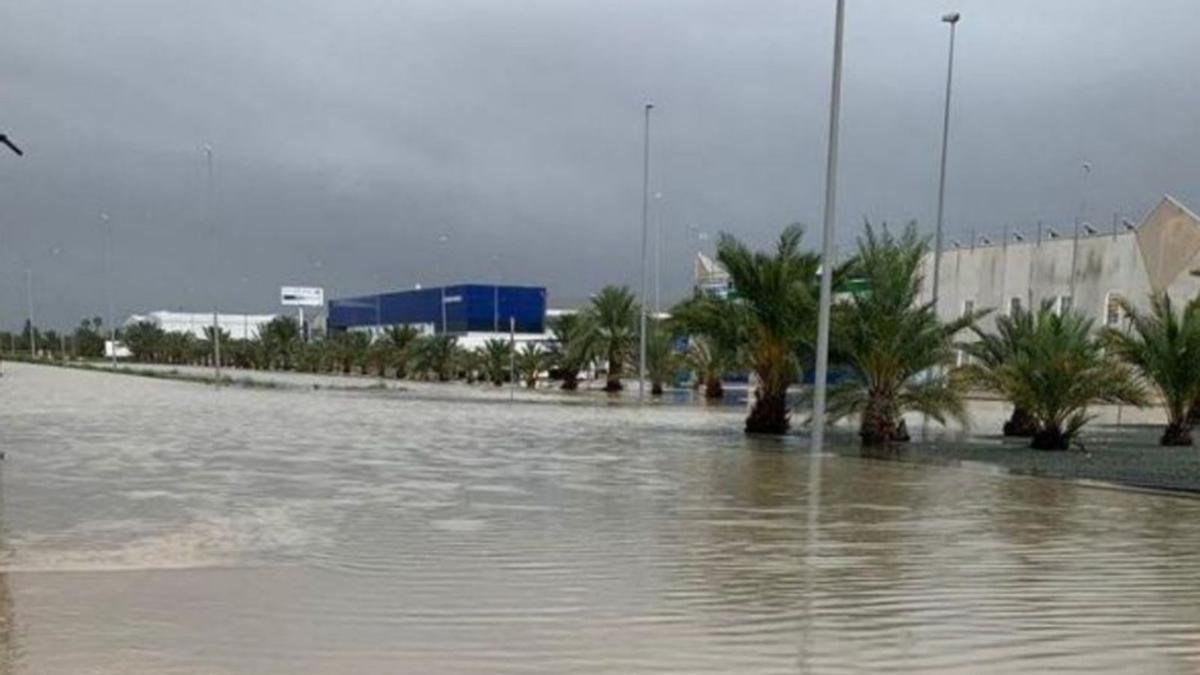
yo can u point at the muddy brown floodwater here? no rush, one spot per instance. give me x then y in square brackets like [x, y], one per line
[151, 526]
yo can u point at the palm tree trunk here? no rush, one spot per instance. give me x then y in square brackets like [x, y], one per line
[570, 380]
[713, 389]
[1020, 424]
[1177, 434]
[880, 423]
[1050, 438]
[769, 415]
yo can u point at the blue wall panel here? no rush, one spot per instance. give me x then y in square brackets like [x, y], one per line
[469, 308]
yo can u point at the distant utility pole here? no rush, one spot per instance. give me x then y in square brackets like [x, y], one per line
[29, 299]
[823, 315]
[106, 224]
[645, 225]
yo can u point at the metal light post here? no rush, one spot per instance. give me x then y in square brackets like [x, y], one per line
[951, 19]
[823, 316]
[1087, 172]
[29, 300]
[106, 224]
[442, 239]
[496, 295]
[645, 223]
[658, 226]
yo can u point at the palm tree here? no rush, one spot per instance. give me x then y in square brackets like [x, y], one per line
[613, 320]
[434, 356]
[494, 356]
[531, 361]
[894, 346]
[993, 350]
[716, 330]
[1164, 346]
[280, 338]
[144, 339]
[777, 292]
[705, 359]
[1063, 370]
[401, 339]
[572, 348]
[661, 358]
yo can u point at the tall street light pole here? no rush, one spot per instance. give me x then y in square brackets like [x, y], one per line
[645, 224]
[443, 240]
[951, 19]
[1087, 172]
[658, 226]
[823, 316]
[108, 286]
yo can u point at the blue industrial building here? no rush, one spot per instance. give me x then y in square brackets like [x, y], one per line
[469, 308]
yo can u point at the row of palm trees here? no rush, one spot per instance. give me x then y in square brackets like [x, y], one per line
[894, 355]
[891, 354]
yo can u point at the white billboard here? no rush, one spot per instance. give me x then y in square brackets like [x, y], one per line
[301, 296]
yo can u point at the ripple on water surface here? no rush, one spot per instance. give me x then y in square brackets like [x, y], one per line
[157, 527]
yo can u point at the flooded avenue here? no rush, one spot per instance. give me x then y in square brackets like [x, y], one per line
[150, 526]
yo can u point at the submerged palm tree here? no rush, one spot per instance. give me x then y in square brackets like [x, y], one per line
[993, 350]
[716, 330]
[894, 346]
[400, 339]
[1063, 370]
[1164, 346]
[531, 360]
[572, 348]
[494, 357]
[433, 356]
[612, 321]
[777, 300]
[661, 358]
[280, 338]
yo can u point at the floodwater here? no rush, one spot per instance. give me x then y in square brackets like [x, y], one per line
[150, 526]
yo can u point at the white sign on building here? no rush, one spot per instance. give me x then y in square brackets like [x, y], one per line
[301, 296]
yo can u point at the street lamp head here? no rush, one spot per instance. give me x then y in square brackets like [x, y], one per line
[10, 145]
[951, 18]
[649, 106]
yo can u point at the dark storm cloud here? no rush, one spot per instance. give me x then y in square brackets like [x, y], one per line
[349, 136]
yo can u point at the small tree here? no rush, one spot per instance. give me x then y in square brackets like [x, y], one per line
[777, 299]
[144, 340]
[895, 347]
[572, 348]
[992, 350]
[531, 361]
[1063, 370]
[662, 360]
[494, 356]
[716, 330]
[613, 321]
[1164, 347]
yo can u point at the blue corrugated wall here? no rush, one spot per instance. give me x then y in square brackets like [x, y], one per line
[469, 307]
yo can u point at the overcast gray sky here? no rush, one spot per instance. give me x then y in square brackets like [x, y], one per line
[349, 135]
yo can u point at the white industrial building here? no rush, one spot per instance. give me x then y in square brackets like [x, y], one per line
[1088, 271]
[239, 326]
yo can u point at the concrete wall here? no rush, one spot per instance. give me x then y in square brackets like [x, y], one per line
[992, 276]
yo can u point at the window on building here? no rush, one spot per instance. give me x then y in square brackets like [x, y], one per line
[1064, 304]
[1113, 313]
[1014, 305]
